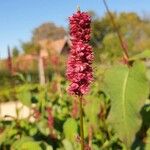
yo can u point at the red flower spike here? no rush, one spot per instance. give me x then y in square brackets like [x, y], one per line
[79, 70]
[50, 117]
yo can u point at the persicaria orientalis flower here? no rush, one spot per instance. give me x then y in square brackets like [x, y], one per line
[50, 117]
[79, 70]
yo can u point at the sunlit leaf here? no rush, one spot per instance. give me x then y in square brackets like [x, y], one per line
[70, 129]
[128, 90]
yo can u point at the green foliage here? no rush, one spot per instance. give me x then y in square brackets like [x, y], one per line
[113, 49]
[133, 28]
[15, 52]
[97, 112]
[25, 97]
[67, 145]
[43, 128]
[7, 135]
[30, 47]
[92, 110]
[48, 31]
[145, 112]
[29, 144]
[70, 129]
[147, 146]
[26, 143]
[128, 90]
[143, 55]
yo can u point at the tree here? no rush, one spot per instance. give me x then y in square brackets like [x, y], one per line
[48, 31]
[30, 47]
[100, 28]
[15, 52]
[134, 30]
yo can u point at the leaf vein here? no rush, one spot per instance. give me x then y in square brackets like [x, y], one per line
[124, 98]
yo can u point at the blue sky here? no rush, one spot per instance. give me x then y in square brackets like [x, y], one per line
[18, 18]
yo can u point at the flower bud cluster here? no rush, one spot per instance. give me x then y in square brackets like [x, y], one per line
[79, 70]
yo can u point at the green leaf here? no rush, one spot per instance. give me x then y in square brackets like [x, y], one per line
[128, 90]
[48, 147]
[142, 55]
[7, 134]
[32, 131]
[43, 127]
[25, 97]
[45, 146]
[67, 145]
[20, 77]
[92, 109]
[26, 143]
[147, 145]
[70, 129]
[30, 145]
[95, 147]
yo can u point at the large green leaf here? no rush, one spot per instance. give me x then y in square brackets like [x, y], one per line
[26, 143]
[70, 128]
[128, 90]
[92, 109]
[142, 55]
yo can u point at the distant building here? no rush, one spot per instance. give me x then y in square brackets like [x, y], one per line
[49, 52]
[61, 46]
[49, 49]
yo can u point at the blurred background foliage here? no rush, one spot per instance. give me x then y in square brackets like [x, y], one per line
[106, 45]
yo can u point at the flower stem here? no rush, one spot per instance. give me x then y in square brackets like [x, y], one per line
[81, 123]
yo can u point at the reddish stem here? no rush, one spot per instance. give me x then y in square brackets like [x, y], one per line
[81, 123]
[122, 42]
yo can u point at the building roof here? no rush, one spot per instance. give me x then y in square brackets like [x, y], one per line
[53, 46]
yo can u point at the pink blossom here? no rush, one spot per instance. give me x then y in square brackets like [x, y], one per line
[79, 70]
[50, 117]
